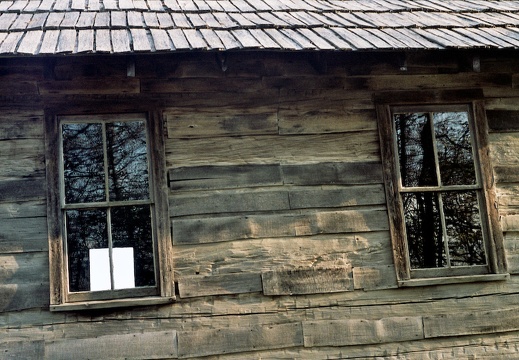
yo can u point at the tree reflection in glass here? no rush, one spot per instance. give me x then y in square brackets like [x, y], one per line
[106, 187]
[131, 227]
[454, 146]
[463, 224]
[424, 230]
[86, 229]
[443, 225]
[415, 150]
[127, 161]
[83, 162]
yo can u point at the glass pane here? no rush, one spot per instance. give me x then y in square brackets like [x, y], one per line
[131, 228]
[424, 230]
[463, 223]
[83, 163]
[454, 148]
[86, 229]
[415, 150]
[127, 160]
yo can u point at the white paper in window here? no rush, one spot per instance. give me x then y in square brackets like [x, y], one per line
[99, 270]
[124, 276]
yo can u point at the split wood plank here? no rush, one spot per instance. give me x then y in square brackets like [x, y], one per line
[238, 340]
[67, 41]
[102, 20]
[213, 41]
[299, 38]
[307, 281]
[30, 42]
[19, 87]
[7, 20]
[329, 117]
[228, 202]
[266, 41]
[23, 235]
[344, 173]
[228, 40]
[471, 323]
[23, 209]
[106, 86]
[360, 331]
[10, 42]
[102, 41]
[70, 20]
[371, 250]
[33, 349]
[149, 345]
[50, 42]
[22, 189]
[20, 124]
[224, 177]
[135, 19]
[140, 40]
[202, 124]
[507, 174]
[362, 147]
[120, 41]
[85, 41]
[118, 19]
[191, 85]
[151, 20]
[160, 39]
[21, 23]
[254, 226]
[17, 297]
[369, 278]
[179, 39]
[336, 197]
[24, 268]
[503, 120]
[165, 20]
[225, 284]
[195, 39]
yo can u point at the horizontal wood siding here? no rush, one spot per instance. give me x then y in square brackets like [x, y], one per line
[282, 247]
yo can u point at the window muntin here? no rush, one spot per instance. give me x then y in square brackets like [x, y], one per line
[107, 206]
[439, 188]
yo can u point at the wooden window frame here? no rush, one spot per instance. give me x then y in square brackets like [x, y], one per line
[60, 298]
[472, 101]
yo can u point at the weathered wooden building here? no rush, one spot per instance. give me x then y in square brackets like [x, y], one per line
[259, 179]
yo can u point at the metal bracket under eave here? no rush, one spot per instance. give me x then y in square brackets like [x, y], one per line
[476, 63]
[130, 67]
[221, 59]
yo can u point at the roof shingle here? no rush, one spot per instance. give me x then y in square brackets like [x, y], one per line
[82, 26]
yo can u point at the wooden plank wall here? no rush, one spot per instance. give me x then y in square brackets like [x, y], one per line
[277, 205]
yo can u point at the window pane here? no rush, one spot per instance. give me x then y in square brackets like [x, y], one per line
[131, 228]
[83, 163]
[415, 149]
[127, 160]
[424, 230]
[454, 148]
[86, 229]
[463, 223]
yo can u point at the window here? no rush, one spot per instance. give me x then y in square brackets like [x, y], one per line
[439, 194]
[108, 232]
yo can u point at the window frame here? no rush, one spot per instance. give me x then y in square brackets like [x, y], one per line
[164, 290]
[496, 267]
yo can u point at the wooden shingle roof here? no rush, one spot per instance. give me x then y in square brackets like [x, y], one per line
[46, 27]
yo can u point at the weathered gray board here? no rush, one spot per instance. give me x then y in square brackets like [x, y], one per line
[282, 246]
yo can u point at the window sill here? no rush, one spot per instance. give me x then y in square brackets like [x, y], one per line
[453, 280]
[116, 303]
